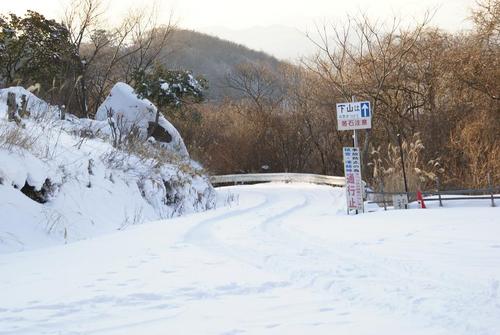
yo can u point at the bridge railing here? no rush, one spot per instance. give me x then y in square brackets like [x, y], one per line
[253, 178]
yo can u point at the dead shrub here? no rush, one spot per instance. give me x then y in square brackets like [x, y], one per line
[476, 145]
[14, 137]
[387, 168]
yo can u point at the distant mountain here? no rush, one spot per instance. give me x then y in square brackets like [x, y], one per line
[211, 57]
[281, 41]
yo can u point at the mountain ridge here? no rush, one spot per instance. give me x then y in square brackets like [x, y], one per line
[212, 57]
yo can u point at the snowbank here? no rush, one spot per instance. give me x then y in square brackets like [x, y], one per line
[62, 180]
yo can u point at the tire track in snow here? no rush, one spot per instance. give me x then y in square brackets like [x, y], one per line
[341, 271]
[202, 235]
[199, 234]
[358, 275]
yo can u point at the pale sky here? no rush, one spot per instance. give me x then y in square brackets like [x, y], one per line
[227, 17]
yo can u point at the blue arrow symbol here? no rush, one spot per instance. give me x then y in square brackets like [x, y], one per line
[365, 109]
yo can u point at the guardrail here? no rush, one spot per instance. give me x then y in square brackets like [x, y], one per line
[490, 193]
[253, 178]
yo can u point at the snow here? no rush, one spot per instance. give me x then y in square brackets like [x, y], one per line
[166, 87]
[271, 259]
[96, 189]
[123, 102]
[194, 83]
[34, 104]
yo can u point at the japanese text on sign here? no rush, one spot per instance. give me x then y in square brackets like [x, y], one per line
[354, 115]
[354, 184]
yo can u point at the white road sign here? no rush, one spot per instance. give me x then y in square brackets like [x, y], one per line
[400, 201]
[354, 115]
[354, 183]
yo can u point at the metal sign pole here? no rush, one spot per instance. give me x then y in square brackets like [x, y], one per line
[355, 138]
[355, 135]
[403, 166]
[402, 162]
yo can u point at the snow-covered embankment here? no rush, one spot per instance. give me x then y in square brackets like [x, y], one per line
[62, 180]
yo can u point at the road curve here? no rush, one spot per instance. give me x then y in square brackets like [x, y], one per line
[273, 259]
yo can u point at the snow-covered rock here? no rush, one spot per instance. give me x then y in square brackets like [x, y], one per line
[93, 187]
[34, 105]
[127, 110]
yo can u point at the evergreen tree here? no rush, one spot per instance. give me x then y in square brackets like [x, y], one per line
[169, 89]
[34, 49]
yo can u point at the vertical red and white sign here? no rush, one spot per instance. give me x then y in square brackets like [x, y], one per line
[354, 183]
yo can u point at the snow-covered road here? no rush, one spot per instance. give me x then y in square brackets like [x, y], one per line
[282, 259]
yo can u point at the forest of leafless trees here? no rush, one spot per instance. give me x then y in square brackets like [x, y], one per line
[440, 91]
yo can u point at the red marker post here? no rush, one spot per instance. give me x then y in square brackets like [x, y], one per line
[420, 200]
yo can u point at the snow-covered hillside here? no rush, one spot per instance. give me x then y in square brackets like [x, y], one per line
[78, 184]
[271, 259]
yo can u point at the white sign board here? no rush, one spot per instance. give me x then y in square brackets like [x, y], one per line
[354, 184]
[354, 115]
[400, 201]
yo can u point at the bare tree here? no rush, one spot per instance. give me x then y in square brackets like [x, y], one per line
[110, 54]
[258, 83]
[83, 18]
[367, 59]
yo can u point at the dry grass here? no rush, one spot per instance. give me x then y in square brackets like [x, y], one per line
[14, 137]
[37, 132]
[477, 145]
[134, 149]
[387, 168]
